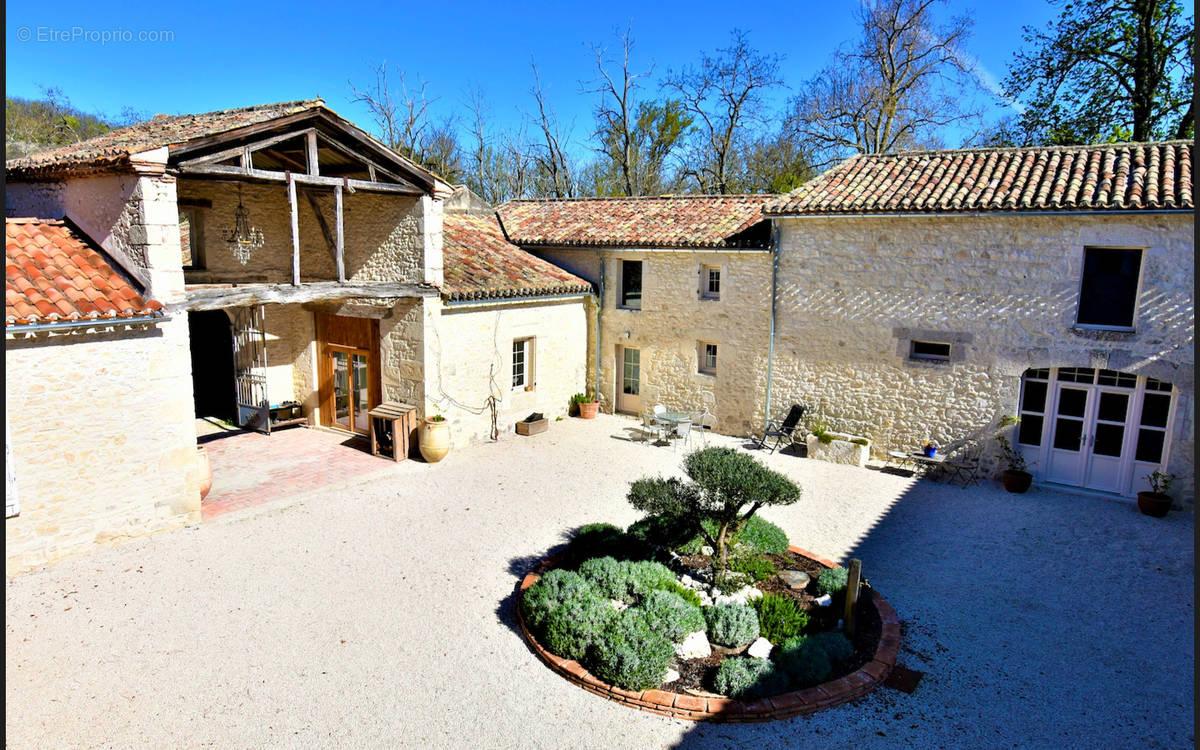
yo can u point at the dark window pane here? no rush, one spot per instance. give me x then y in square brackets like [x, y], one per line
[1030, 430]
[631, 283]
[1157, 385]
[1155, 409]
[1072, 402]
[1067, 433]
[1077, 374]
[1042, 374]
[929, 350]
[1149, 446]
[1112, 407]
[1108, 294]
[1108, 439]
[1035, 396]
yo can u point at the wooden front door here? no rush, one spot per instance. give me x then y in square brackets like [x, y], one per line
[349, 371]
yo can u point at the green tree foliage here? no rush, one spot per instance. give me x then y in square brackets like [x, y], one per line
[32, 125]
[727, 488]
[1105, 70]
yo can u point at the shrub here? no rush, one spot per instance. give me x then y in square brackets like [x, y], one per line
[758, 534]
[548, 593]
[610, 578]
[749, 678]
[670, 532]
[832, 581]
[602, 540]
[860, 441]
[646, 576]
[669, 614]
[689, 596]
[731, 625]
[804, 660]
[630, 654]
[757, 567]
[576, 624]
[836, 645]
[780, 617]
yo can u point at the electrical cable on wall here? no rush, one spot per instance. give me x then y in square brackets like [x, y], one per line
[495, 393]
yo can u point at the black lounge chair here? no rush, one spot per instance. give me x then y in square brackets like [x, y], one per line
[784, 431]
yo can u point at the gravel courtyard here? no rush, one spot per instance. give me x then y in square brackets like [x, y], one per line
[381, 615]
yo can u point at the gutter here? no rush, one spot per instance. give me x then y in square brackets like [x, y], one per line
[990, 214]
[492, 301]
[771, 328]
[67, 325]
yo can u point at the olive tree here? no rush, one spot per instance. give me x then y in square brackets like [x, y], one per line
[727, 488]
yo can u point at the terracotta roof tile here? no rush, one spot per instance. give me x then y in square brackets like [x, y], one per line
[1105, 177]
[112, 149]
[53, 274]
[650, 221]
[481, 264]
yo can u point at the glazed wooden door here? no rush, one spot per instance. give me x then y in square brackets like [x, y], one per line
[351, 387]
[350, 383]
[629, 385]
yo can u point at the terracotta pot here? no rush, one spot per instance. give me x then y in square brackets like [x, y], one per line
[588, 410]
[1016, 481]
[1154, 504]
[205, 469]
[435, 440]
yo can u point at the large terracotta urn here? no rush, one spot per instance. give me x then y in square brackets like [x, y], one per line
[204, 469]
[434, 441]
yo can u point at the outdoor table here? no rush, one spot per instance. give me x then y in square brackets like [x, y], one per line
[674, 418]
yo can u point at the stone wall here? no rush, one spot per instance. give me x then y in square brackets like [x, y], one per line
[291, 369]
[853, 292]
[471, 358]
[103, 440]
[672, 322]
[387, 237]
[402, 351]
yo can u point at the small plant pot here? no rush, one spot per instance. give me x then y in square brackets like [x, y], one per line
[588, 410]
[1154, 504]
[1016, 481]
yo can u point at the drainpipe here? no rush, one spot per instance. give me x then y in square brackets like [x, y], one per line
[599, 309]
[771, 331]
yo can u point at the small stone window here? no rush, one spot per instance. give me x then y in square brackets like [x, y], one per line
[707, 353]
[710, 282]
[929, 350]
[630, 293]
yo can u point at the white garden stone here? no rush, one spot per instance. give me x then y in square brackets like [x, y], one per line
[695, 646]
[761, 648]
[670, 676]
[618, 605]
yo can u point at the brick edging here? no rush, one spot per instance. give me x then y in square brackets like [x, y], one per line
[697, 708]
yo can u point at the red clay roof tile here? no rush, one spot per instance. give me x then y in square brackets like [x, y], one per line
[481, 264]
[53, 274]
[1104, 177]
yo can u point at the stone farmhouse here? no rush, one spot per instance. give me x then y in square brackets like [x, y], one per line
[906, 297]
[129, 314]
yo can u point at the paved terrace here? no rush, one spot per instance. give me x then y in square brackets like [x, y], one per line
[381, 615]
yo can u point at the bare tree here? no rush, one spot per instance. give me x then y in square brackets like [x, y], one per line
[404, 122]
[634, 137]
[725, 95]
[551, 160]
[896, 88]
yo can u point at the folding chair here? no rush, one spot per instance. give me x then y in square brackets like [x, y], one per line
[653, 429]
[963, 465]
[782, 431]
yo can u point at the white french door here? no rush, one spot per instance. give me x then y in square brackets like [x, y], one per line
[629, 380]
[1101, 430]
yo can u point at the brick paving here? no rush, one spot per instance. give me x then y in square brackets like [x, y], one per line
[251, 469]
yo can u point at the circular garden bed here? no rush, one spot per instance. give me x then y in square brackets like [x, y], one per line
[662, 638]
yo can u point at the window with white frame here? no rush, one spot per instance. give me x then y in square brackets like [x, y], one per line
[707, 353]
[522, 363]
[710, 282]
[1109, 287]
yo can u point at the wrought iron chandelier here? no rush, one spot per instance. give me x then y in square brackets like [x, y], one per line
[243, 239]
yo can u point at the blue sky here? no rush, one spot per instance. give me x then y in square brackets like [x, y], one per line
[234, 54]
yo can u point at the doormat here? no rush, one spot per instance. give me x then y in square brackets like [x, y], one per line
[903, 679]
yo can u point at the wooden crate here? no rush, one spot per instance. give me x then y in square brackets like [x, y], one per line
[533, 428]
[392, 422]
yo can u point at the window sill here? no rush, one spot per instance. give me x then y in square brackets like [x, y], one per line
[708, 373]
[632, 309]
[1103, 329]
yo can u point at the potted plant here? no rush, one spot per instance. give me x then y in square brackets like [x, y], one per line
[435, 438]
[930, 448]
[1014, 478]
[1156, 502]
[587, 405]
